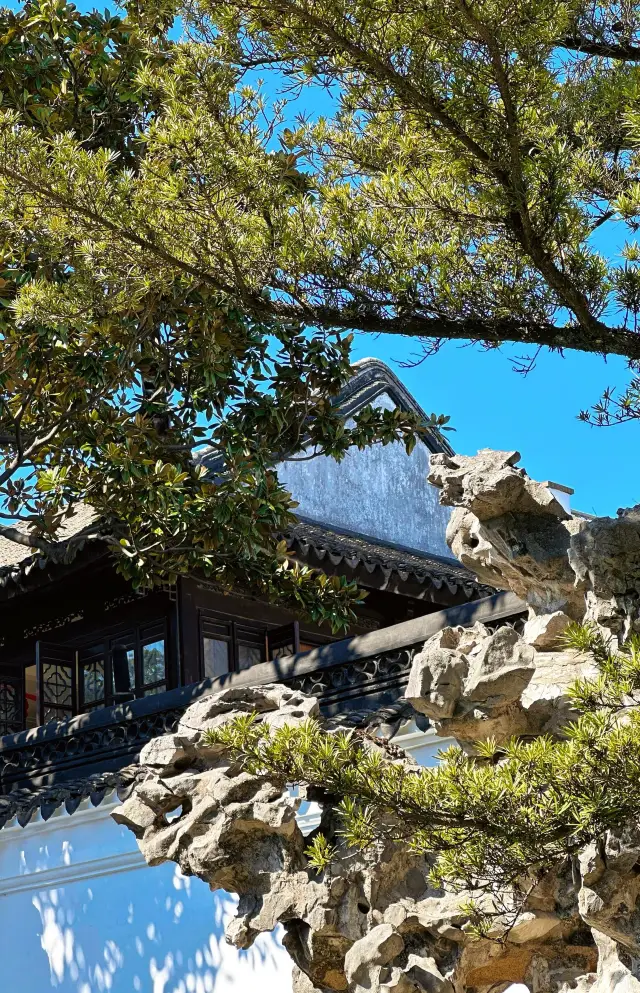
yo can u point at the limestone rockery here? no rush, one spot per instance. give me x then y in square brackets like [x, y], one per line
[376, 924]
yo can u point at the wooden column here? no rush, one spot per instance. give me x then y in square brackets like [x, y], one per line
[188, 634]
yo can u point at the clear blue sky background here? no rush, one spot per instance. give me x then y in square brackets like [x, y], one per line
[493, 407]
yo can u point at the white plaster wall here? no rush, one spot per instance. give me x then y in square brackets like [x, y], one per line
[381, 492]
[80, 912]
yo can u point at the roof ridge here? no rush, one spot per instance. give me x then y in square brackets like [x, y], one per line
[373, 377]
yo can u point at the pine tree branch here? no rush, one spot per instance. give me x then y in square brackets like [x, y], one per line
[617, 51]
[425, 102]
[588, 336]
[607, 341]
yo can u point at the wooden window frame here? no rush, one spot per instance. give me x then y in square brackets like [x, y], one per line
[84, 706]
[134, 638]
[13, 697]
[147, 634]
[280, 638]
[218, 626]
[233, 636]
[50, 655]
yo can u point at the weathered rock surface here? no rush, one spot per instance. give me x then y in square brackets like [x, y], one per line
[511, 531]
[605, 557]
[371, 925]
[375, 924]
[366, 964]
[490, 484]
[514, 534]
[474, 684]
[545, 631]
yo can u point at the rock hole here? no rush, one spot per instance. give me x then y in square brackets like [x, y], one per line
[583, 937]
[296, 941]
[363, 907]
[175, 813]
[181, 764]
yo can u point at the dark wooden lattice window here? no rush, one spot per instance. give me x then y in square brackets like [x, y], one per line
[56, 679]
[93, 677]
[152, 660]
[77, 680]
[217, 647]
[228, 645]
[146, 650]
[250, 645]
[128, 642]
[12, 702]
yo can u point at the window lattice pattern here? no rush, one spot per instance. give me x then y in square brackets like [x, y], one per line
[93, 681]
[11, 706]
[57, 686]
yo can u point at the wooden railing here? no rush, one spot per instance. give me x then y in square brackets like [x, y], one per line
[360, 673]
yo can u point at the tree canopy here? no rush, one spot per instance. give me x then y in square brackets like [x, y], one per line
[458, 186]
[182, 252]
[117, 365]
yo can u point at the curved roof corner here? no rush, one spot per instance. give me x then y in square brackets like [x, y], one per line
[372, 378]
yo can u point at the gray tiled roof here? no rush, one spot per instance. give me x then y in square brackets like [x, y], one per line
[18, 561]
[11, 553]
[317, 544]
[43, 801]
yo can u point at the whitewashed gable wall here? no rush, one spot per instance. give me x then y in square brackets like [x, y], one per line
[381, 492]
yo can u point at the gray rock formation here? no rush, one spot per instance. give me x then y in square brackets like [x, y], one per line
[514, 534]
[474, 684]
[372, 924]
[375, 924]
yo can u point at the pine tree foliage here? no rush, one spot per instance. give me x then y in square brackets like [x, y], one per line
[118, 361]
[493, 822]
[471, 160]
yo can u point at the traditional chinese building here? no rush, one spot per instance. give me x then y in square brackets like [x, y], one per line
[90, 670]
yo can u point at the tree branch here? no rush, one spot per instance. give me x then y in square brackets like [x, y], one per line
[417, 98]
[604, 49]
[607, 341]
[29, 540]
[511, 180]
[594, 337]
